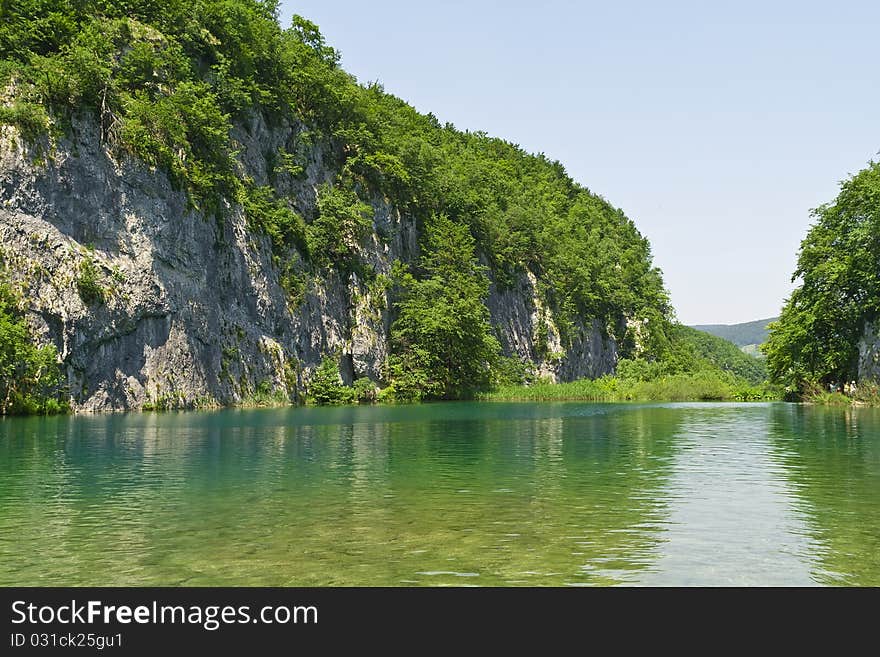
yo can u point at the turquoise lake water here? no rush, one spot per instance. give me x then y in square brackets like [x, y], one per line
[445, 494]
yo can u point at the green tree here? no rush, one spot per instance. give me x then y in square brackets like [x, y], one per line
[326, 387]
[343, 223]
[30, 379]
[816, 338]
[442, 339]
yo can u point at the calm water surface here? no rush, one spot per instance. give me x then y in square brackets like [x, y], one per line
[447, 494]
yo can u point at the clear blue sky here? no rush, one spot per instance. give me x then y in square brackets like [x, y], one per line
[715, 126]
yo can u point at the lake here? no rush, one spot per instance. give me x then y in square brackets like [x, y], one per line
[563, 494]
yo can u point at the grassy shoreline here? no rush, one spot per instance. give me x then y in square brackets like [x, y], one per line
[693, 387]
[699, 386]
[866, 394]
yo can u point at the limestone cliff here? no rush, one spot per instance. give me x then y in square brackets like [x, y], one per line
[192, 312]
[869, 354]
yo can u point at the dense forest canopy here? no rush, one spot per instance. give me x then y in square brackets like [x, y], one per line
[168, 79]
[816, 338]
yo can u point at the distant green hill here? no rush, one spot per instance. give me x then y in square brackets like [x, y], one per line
[742, 335]
[715, 352]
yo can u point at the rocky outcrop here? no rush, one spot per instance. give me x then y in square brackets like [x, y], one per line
[525, 327]
[869, 353]
[151, 303]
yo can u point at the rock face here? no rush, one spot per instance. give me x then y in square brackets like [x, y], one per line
[869, 353]
[190, 310]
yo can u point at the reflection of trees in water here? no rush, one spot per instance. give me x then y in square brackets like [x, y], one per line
[599, 491]
[66, 506]
[564, 498]
[336, 496]
[832, 458]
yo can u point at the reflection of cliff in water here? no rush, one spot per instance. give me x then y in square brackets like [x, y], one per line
[832, 458]
[433, 494]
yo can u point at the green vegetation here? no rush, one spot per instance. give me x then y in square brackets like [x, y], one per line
[275, 218]
[815, 341]
[866, 393]
[326, 387]
[701, 351]
[343, 223]
[753, 350]
[748, 336]
[88, 283]
[365, 391]
[442, 340]
[30, 379]
[265, 395]
[742, 335]
[167, 81]
[696, 366]
[697, 386]
[826, 397]
[30, 119]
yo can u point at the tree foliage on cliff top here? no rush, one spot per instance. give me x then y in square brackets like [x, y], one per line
[816, 338]
[167, 80]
